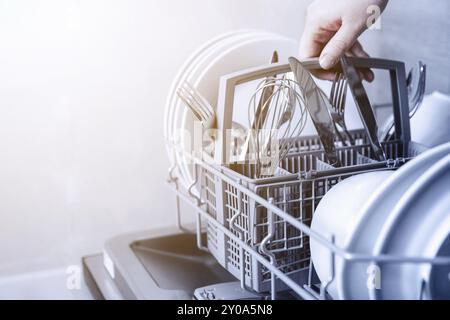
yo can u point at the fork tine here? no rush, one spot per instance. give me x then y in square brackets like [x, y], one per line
[336, 92]
[342, 95]
[338, 98]
[198, 106]
[190, 93]
[187, 99]
[188, 104]
[338, 95]
[204, 104]
[333, 90]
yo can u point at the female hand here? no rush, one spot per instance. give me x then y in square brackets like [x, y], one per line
[332, 28]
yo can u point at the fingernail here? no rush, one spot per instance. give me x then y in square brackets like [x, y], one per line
[370, 76]
[327, 61]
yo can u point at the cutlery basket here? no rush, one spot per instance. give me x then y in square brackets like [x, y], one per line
[258, 229]
[304, 178]
[307, 179]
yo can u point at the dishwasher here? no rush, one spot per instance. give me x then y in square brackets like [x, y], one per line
[251, 237]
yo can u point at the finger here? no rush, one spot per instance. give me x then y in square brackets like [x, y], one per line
[357, 50]
[330, 75]
[309, 46]
[368, 75]
[340, 43]
[360, 71]
[324, 74]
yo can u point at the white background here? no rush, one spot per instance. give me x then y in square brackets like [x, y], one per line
[82, 92]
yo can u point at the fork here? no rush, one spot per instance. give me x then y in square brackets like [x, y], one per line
[205, 113]
[198, 104]
[338, 98]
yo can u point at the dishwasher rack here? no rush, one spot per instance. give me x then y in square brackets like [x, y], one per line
[305, 180]
[259, 230]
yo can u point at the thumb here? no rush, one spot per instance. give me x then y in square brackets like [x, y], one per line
[338, 45]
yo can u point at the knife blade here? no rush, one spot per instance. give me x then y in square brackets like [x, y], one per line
[364, 107]
[318, 109]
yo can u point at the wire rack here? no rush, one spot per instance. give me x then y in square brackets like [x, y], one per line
[258, 229]
[306, 180]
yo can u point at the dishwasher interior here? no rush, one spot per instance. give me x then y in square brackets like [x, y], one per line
[260, 231]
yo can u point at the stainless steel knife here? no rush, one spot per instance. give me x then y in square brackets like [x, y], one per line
[364, 108]
[318, 108]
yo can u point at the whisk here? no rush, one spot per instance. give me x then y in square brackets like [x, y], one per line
[283, 118]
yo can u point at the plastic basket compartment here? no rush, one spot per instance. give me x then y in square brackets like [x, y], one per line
[296, 193]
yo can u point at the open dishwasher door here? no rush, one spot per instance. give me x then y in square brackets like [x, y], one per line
[159, 264]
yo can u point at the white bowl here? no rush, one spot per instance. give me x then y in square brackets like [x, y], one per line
[338, 215]
[419, 227]
[430, 125]
[377, 218]
[363, 222]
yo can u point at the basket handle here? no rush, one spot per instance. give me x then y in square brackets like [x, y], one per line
[224, 113]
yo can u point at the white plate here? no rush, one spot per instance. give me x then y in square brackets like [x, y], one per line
[175, 111]
[352, 278]
[355, 222]
[204, 71]
[191, 75]
[185, 70]
[191, 62]
[244, 54]
[190, 69]
[418, 226]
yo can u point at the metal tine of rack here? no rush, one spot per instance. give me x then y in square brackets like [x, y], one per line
[324, 286]
[263, 248]
[246, 248]
[241, 236]
[200, 203]
[174, 180]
